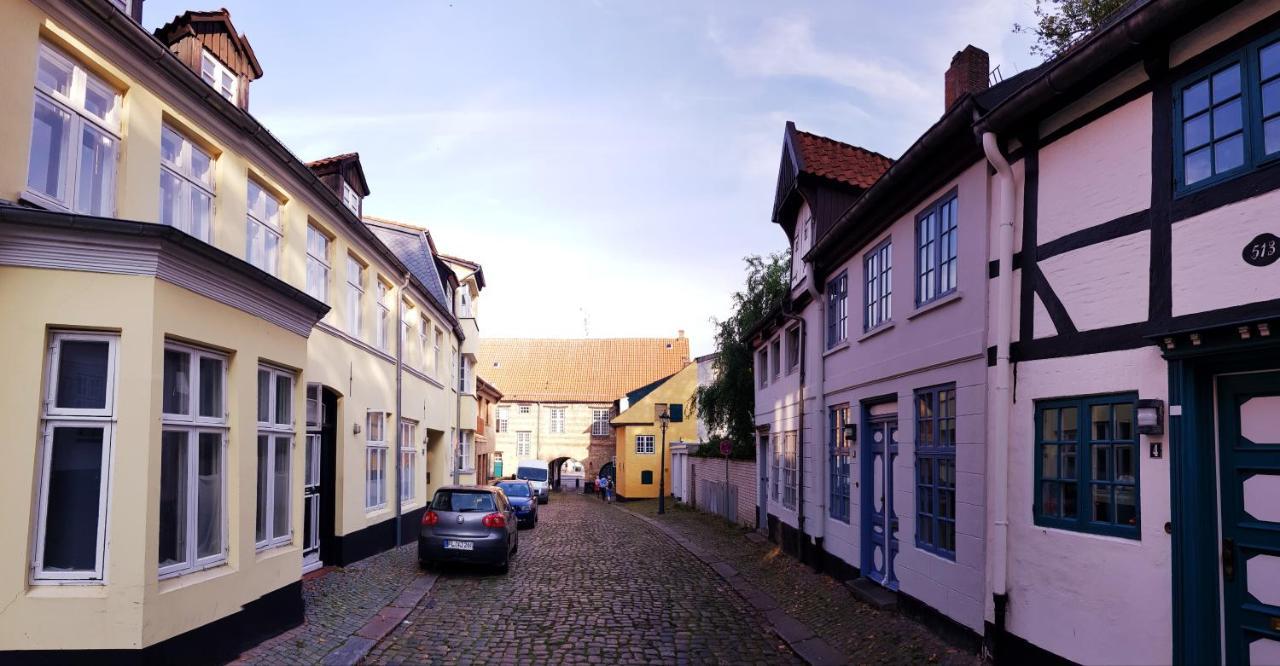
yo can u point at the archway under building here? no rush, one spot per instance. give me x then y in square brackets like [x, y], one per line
[566, 474]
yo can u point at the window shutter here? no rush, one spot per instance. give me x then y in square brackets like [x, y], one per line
[676, 410]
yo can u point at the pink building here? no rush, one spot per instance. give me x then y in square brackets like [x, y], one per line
[1028, 379]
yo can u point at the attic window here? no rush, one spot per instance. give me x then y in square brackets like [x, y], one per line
[668, 345]
[219, 76]
[350, 198]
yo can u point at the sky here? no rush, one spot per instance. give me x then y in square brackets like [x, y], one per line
[609, 163]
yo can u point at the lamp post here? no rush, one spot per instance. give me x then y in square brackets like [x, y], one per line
[664, 418]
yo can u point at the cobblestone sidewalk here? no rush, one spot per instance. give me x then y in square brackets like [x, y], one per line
[863, 634]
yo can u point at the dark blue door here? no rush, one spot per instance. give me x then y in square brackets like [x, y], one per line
[1249, 467]
[880, 544]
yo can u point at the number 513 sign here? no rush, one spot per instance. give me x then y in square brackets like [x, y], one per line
[1262, 251]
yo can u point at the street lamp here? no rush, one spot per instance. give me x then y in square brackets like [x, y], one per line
[665, 419]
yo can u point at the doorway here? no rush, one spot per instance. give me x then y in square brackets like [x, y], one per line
[879, 520]
[319, 477]
[762, 471]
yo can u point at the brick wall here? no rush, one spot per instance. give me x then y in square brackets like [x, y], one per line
[742, 473]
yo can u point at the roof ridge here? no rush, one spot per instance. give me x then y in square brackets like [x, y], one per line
[838, 142]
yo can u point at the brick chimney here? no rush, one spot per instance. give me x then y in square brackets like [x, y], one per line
[969, 73]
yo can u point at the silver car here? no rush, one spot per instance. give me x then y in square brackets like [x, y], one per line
[473, 524]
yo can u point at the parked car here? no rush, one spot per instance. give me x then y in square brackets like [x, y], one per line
[523, 498]
[471, 524]
[538, 473]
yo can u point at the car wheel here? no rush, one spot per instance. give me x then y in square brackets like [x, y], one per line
[505, 565]
[516, 548]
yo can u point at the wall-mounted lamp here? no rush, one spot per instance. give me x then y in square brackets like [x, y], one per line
[1151, 417]
[851, 433]
[355, 429]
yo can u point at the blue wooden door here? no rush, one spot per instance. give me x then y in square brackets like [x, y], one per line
[1249, 467]
[879, 517]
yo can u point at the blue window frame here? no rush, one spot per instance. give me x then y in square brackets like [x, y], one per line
[838, 449]
[936, 240]
[1086, 465]
[936, 470]
[878, 291]
[1227, 117]
[838, 310]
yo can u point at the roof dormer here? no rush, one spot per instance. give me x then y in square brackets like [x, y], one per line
[208, 43]
[344, 175]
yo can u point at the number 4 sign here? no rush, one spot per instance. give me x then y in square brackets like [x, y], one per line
[1262, 251]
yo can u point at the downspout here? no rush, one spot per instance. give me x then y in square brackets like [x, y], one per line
[999, 550]
[800, 548]
[400, 333]
[457, 471]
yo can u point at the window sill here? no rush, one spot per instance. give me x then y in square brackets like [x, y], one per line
[836, 349]
[177, 581]
[887, 326]
[269, 550]
[935, 304]
[1134, 540]
[86, 587]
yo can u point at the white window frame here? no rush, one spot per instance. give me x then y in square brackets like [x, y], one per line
[408, 461]
[318, 247]
[55, 418]
[214, 73]
[524, 444]
[267, 225]
[406, 325]
[375, 497]
[775, 481]
[438, 366]
[790, 485]
[645, 445]
[275, 430]
[350, 198]
[465, 462]
[503, 421]
[599, 423]
[453, 368]
[190, 186]
[193, 425]
[355, 297]
[555, 420]
[464, 377]
[424, 329]
[382, 334]
[79, 119]
[524, 408]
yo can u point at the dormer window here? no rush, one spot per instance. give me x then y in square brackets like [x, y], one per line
[219, 76]
[350, 197]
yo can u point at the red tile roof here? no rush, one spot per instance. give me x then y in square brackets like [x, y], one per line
[839, 161]
[326, 161]
[577, 370]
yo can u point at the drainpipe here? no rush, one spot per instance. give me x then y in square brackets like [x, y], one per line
[457, 471]
[800, 438]
[999, 550]
[404, 284]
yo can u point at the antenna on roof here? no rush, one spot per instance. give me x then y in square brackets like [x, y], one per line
[996, 75]
[586, 323]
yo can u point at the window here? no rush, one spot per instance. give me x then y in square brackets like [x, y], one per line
[464, 302]
[463, 376]
[936, 250]
[524, 444]
[193, 436]
[599, 422]
[504, 418]
[879, 286]
[186, 185]
[406, 325]
[424, 326]
[936, 470]
[644, 444]
[789, 478]
[384, 317]
[439, 367]
[839, 450]
[762, 366]
[775, 357]
[793, 349]
[453, 366]
[524, 409]
[262, 243]
[317, 264]
[275, 457]
[408, 460]
[355, 297]
[75, 458]
[350, 198]
[646, 477]
[375, 445]
[556, 423]
[775, 479]
[1087, 465]
[219, 76]
[75, 134]
[799, 247]
[837, 310]
[464, 461]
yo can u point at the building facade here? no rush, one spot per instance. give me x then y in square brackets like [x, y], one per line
[640, 438]
[489, 462]
[207, 392]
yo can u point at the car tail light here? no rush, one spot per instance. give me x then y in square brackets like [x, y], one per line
[430, 518]
[495, 520]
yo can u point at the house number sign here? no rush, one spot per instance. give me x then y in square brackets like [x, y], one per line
[1262, 251]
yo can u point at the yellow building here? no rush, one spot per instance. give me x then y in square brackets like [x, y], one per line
[638, 432]
[205, 392]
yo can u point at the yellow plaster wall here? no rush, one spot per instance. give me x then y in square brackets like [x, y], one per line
[640, 419]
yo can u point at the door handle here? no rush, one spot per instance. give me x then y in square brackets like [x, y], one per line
[1228, 559]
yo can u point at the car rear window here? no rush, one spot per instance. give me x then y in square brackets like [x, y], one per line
[463, 501]
[515, 489]
[531, 474]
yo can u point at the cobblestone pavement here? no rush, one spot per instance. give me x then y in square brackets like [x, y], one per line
[864, 634]
[589, 585]
[338, 603]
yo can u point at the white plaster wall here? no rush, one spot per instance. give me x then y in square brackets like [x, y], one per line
[1041, 324]
[1224, 26]
[1097, 173]
[1105, 284]
[1091, 599]
[1123, 82]
[1208, 270]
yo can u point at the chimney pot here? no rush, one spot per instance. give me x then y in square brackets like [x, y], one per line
[969, 73]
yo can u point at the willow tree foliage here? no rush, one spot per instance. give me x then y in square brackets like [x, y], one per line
[728, 403]
[1061, 23]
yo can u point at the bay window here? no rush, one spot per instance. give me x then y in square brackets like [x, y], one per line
[273, 514]
[186, 185]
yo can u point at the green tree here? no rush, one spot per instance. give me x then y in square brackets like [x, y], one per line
[1061, 23]
[728, 404]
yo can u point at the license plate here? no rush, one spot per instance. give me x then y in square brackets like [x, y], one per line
[459, 545]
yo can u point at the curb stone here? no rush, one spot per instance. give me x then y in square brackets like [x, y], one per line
[359, 644]
[798, 636]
